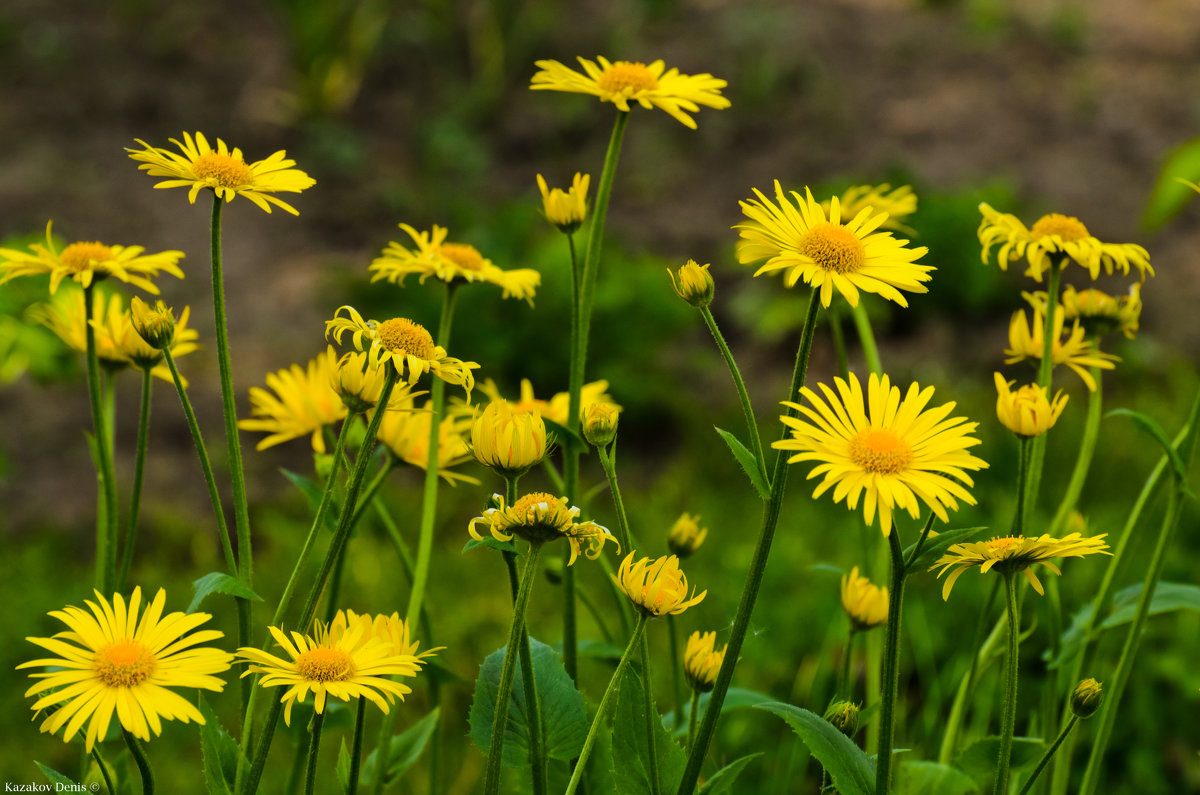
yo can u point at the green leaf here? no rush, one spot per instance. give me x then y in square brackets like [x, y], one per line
[930, 778]
[565, 437]
[724, 778]
[590, 647]
[492, 543]
[749, 463]
[978, 760]
[1168, 196]
[343, 766]
[852, 771]
[405, 750]
[735, 698]
[313, 494]
[54, 776]
[220, 752]
[1151, 427]
[564, 721]
[1168, 597]
[631, 751]
[936, 546]
[219, 582]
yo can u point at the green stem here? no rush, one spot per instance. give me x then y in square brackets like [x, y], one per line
[966, 688]
[1087, 450]
[597, 616]
[693, 713]
[624, 536]
[839, 338]
[108, 784]
[1008, 723]
[368, 495]
[891, 665]
[843, 690]
[1037, 451]
[143, 763]
[139, 470]
[106, 531]
[1024, 450]
[651, 716]
[314, 747]
[743, 395]
[758, 567]
[360, 719]
[1046, 757]
[605, 703]
[866, 337]
[676, 681]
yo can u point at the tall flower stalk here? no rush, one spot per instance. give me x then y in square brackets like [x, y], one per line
[106, 529]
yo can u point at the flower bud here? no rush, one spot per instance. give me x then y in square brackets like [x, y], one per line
[358, 381]
[508, 441]
[702, 661]
[693, 283]
[1086, 698]
[686, 535]
[600, 424]
[844, 716]
[156, 326]
[565, 209]
[864, 603]
[1027, 412]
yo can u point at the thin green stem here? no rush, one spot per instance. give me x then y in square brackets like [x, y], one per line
[1008, 722]
[1050, 752]
[1024, 451]
[139, 470]
[106, 531]
[360, 719]
[743, 395]
[891, 666]
[597, 616]
[966, 688]
[676, 681]
[140, 759]
[839, 338]
[866, 337]
[610, 471]
[1087, 450]
[108, 784]
[367, 499]
[314, 747]
[1037, 451]
[693, 714]
[843, 689]
[651, 717]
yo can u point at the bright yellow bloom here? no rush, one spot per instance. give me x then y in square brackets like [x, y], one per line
[86, 262]
[406, 435]
[111, 660]
[566, 209]
[359, 383]
[539, 517]
[693, 283]
[407, 345]
[686, 535]
[619, 82]
[600, 421]
[303, 402]
[1010, 554]
[392, 630]
[656, 587]
[1098, 312]
[1055, 234]
[346, 667]
[894, 453]
[1028, 411]
[222, 169]
[507, 441]
[431, 255]
[1027, 341]
[864, 603]
[828, 252]
[701, 660]
[898, 203]
[557, 408]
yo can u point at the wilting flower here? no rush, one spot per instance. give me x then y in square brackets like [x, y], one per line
[828, 252]
[432, 255]
[693, 283]
[508, 441]
[891, 452]
[1027, 341]
[565, 209]
[686, 535]
[1086, 698]
[865, 604]
[86, 262]
[557, 408]
[656, 587]
[406, 436]
[116, 658]
[619, 82]
[701, 660]
[1028, 411]
[1010, 554]
[303, 402]
[539, 517]
[1060, 235]
[224, 170]
[898, 203]
[1098, 312]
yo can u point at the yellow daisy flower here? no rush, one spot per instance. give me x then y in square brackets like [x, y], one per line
[656, 587]
[392, 630]
[508, 441]
[828, 252]
[407, 345]
[431, 255]
[1098, 312]
[224, 170]
[1010, 554]
[557, 408]
[539, 517]
[85, 262]
[406, 435]
[649, 85]
[566, 209]
[1026, 341]
[115, 657]
[345, 667]
[865, 604]
[702, 661]
[898, 203]
[1055, 234]
[1028, 411]
[686, 535]
[303, 402]
[894, 453]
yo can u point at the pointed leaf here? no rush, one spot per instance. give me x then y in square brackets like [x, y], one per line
[313, 494]
[220, 752]
[725, 778]
[978, 760]
[735, 698]
[748, 462]
[1151, 427]
[219, 582]
[56, 777]
[930, 778]
[343, 766]
[1168, 597]
[565, 437]
[488, 541]
[1168, 196]
[936, 546]
[631, 751]
[405, 750]
[852, 771]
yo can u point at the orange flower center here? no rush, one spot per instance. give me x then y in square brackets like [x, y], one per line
[626, 77]
[464, 256]
[833, 247]
[400, 335]
[325, 665]
[225, 170]
[126, 663]
[1000, 547]
[530, 506]
[1069, 229]
[79, 257]
[880, 450]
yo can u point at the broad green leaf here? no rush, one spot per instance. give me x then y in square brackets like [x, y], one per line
[313, 493]
[492, 543]
[930, 778]
[54, 776]
[219, 582]
[405, 750]
[631, 751]
[852, 771]
[936, 546]
[1168, 597]
[1169, 196]
[979, 759]
[725, 778]
[749, 463]
[343, 766]
[735, 698]
[220, 752]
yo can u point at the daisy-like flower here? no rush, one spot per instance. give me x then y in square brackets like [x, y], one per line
[539, 517]
[86, 262]
[198, 165]
[565, 209]
[686, 535]
[1028, 411]
[656, 587]
[893, 453]
[649, 85]
[827, 251]
[508, 441]
[1098, 312]
[116, 657]
[406, 436]
[557, 408]
[702, 661]
[898, 203]
[1060, 235]
[1010, 554]
[407, 345]
[345, 667]
[297, 401]
[391, 629]
[865, 604]
[432, 255]
[1026, 341]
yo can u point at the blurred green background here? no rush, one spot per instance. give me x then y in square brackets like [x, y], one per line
[420, 112]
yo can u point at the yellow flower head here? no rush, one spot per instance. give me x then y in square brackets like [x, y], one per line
[115, 657]
[303, 402]
[898, 203]
[155, 326]
[1026, 341]
[392, 630]
[827, 251]
[359, 384]
[1086, 698]
[198, 165]
[686, 535]
[701, 660]
[556, 409]
[893, 453]
[432, 255]
[649, 85]
[406, 435]
[86, 262]
[508, 441]
[346, 667]
[1010, 554]
[1098, 312]
[693, 283]
[407, 345]
[600, 422]
[1059, 235]
[1028, 411]
[565, 209]
[539, 517]
[656, 587]
[864, 603]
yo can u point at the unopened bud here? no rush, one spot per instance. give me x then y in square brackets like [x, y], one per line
[600, 424]
[844, 716]
[1086, 698]
[156, 326]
